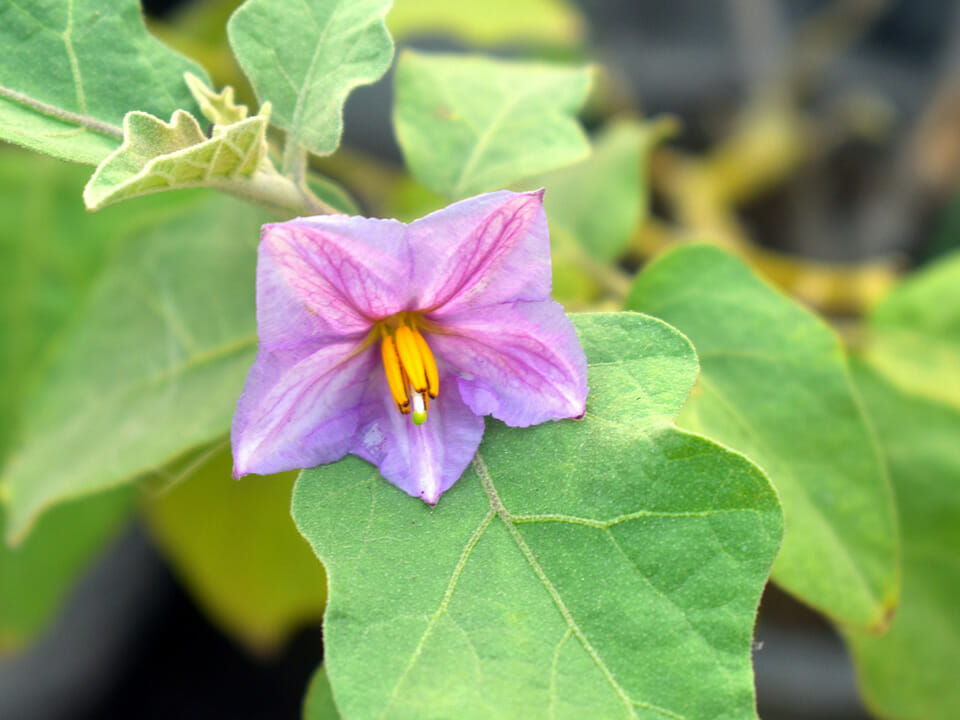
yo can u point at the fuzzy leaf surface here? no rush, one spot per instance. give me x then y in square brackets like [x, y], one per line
[604, 567]
[775, 385]
[467, 124]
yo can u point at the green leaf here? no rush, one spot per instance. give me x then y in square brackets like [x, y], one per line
[603, 567]
[775, 385]
[603, 200]
[915, 333]
[235, 547]
[219, 108]
[468, 123]
[911, 671]
[36, 575]
[52, 250]
[305, 57]
[158, 156]
[318, 704]
[153, 365]
[490, 22]
[70, 71]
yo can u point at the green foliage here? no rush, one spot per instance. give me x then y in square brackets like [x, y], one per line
[36, 575]
[911, 671]
[70, 71]
[152, 366]
[219, 108]
[469, 123]
[915, 333]
[158, 156]
[318, 704]
[490, 22]
[603, 567]
[775, 385]
[603, 200]
[305, 57]
[249, 568]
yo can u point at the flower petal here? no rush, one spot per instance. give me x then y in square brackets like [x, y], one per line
[329, 276]
[489, 249]
[422, 460]
[520, 362]
[300, 407]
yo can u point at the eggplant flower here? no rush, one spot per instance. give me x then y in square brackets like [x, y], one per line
[392, 341]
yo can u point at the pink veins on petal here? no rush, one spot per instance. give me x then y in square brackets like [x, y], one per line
[392, 341]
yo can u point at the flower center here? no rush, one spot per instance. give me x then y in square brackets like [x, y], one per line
[409, 365]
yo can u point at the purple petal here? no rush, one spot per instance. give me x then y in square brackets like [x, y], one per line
[328, 277]
[486, 250]
[300, 407]
[520, 362]
[425, 460]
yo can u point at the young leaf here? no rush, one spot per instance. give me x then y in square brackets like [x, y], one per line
[153, 365]
[249, 568]
[775, 385]
[915, 333]
[911, 670]
[604, 567]
[70, 71]
[305, 57]
[219, 108]
[35, 576]
[158, 156]
[468, 124]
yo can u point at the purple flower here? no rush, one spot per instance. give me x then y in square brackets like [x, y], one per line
[391, 341]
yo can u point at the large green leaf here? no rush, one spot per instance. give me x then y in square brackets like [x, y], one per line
[35, 575]
[911, 671]
[70, 71]
[468, 123]
[775, 385]
[152, 367]
[235, 546]
[490, 22]
[305, 57]
[51, 250]
[915, 333]
[603, 567]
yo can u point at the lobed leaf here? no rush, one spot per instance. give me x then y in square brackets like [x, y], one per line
[911, 670]
[305, 57]
[152, 366]
[603, 567]
[158, 156]
[775, 385]
[70, 71]
[248, 568]
[467, 124]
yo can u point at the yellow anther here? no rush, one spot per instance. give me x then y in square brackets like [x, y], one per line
[410, 358]
[429, 365]
[395, 375]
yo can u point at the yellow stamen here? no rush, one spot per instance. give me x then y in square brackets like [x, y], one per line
[429, 365]
[395, 375]
[409, 353]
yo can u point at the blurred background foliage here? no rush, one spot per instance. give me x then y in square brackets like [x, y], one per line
[819, 140]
